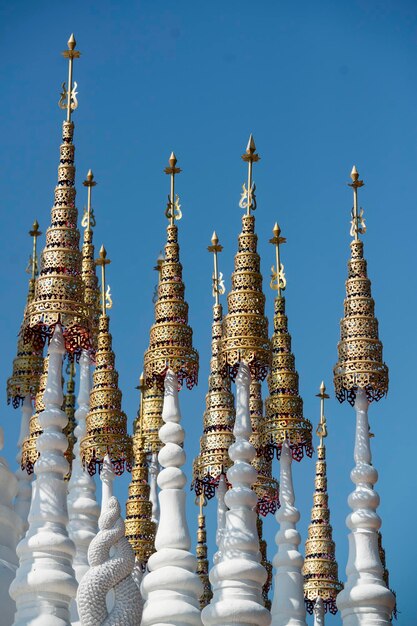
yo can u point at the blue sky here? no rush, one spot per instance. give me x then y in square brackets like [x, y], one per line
[322, 86]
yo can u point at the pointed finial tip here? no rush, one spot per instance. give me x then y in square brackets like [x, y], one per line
[354, 173]
[90, 175]
[71, 42]
[103, 252]
[141, 379]
[172, 159]
[251, 147]
[214, 238]
[322, 387]
[276, 230]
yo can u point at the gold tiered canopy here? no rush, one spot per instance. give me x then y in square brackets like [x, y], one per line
[27, 366]
[360, 364]
[140, 529]
[320, 570]
[284, 407]
[245, 327]
[219, 416]
[170, 345]
[59, 290]
[106, 423]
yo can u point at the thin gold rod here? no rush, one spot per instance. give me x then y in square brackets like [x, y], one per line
[172, 170]
[89, 182]
[322, 427]
[141, 387]
[277, 240]
[215, 248]
[35, 233]
[102, 261]
[70, 54]
[355, 185]
[251, 157]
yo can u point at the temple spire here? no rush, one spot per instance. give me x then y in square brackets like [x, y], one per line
[248, 198]
[68, 99]
[88, 266]
[173, 211]
[320, 570]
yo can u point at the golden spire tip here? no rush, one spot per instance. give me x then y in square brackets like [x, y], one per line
[214, 238]
[172, 160]
[354, 173]
[251, 147]
[276, 230]
[71, 42]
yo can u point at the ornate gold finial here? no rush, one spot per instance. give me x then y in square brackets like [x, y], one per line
[360, 364]
[106, 301]
[201, 553]
[245, 327]
[218, 282]
[92, 294]
[358, 221]
[170, 345]
[88, 220]
[27, 365]
[173, 210]
[320, 569]
[248, 197]
[278, 280]
[106, 423]
[284, 406]
[68, 98]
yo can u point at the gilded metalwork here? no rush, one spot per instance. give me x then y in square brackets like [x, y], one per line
[201, 553]
[219, 415]
[320, 569]
[278, 280]
[29, 451]
[88, 266]
[59, 289]
[27, 365]
[245, 327]
[170, 345]
[106, 423]
[360, 364]
[69, 408]
[266, 564]
[284, 407]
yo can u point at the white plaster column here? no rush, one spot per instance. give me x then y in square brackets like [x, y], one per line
[107, 477]
[10, 527]
[153, 493]
[45, 580]
[221, 519]
[288, 608]
[365, 599]
[238, 577]
[319, 612]
[83, 509]
[24, 489]
[172, 589]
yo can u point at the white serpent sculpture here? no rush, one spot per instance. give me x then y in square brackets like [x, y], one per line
[110, 572]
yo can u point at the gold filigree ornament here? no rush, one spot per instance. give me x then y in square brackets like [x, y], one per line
[284, 407]
[321, 578]
[29, 451]
[170, 345]
[360, 364]
[69, 408]
[219, 416]
[201, 554]
[106, 423]
[245, 327]
[59, 289]
[27, 365]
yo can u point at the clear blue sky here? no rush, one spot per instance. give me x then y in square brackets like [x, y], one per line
[321, 85]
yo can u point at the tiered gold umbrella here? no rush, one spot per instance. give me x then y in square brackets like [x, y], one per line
[59, 289]
[321, 579]
[284, 407]
[360, 364]
[106, 423]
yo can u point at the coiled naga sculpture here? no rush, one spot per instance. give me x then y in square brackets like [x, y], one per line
[110, 573]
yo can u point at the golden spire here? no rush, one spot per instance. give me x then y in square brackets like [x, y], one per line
[170, 345]
[106, 423]
[29, 450]
[140, 529]
[201, 553]
[245, 327]
[59, 290]
[88, 266]
[320, 570]
[360, 364]
[219, 416]
[27, 365]
[69, 408]
[278, 280]
[284, 406]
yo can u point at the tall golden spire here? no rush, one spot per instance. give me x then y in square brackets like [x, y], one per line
[201, 553]
[27, 366]
[140, 529]
[106, 423]
[219, 416]
[59, 291]
[320, 570]
[284, 406]
[245, 327]
[360, 364]
[170, 345]
[88, 266]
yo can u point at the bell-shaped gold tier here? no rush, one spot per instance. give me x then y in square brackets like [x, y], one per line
[320, 566]
[59, 290]
[29, 451]
[106, 423]
[266, 486]
[170, 345]
[218, 420]
[27, 368]
[152, 404]
[140, 529]
[202, 561]
[360, 364]
[245, 327]
[284, 407]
